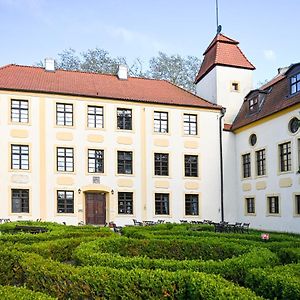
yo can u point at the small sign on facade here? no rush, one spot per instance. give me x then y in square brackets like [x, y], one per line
[96, 179]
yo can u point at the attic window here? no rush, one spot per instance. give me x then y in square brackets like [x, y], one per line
[235, 86]
[253, 104]
[295, 83]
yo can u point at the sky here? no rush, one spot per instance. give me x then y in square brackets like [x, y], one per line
[267, 30]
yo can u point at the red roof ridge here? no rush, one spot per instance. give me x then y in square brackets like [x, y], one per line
[220, 38]
[216, 105]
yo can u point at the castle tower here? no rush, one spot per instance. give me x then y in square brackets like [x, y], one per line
[225, 75]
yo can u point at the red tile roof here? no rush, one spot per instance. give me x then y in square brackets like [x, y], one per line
[276, 98]
[36, 79]
[223, 51]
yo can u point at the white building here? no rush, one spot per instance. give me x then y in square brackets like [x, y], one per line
[88, 148]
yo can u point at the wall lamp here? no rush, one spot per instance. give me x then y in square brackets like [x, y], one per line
[112, 192]
[79, 191]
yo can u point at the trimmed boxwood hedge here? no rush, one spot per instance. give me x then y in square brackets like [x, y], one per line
[68, 282]
[20, 293]
[281, 282]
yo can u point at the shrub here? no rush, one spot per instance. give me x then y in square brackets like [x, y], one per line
[282, 282]
[20, 293]
[289, 255]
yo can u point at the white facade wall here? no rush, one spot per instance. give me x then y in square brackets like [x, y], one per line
[283, 184]
[43, 136]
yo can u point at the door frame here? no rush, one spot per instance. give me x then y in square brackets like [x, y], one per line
[102, 194]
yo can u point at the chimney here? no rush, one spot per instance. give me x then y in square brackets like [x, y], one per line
[49, 64]
[123, 72]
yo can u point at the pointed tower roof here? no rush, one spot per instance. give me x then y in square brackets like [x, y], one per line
[223, 51]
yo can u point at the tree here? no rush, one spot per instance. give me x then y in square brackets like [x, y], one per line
[179, 70]
[176, 69]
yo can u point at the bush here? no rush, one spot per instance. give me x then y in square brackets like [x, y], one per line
[20, 293]
[289, 255]
[282, 282]
[67, 282]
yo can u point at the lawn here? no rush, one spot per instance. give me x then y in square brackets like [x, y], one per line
[166, 261]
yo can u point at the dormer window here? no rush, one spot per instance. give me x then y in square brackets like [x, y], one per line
[295, 84]
[253, 104]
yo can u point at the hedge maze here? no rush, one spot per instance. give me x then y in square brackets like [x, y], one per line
[166, 261]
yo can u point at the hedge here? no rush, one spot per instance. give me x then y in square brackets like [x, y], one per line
[282, 282]
[289, 255]
[20, 293]
[68, 282]
[169, 249]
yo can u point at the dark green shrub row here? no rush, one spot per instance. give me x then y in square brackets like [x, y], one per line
[20, 293]
[289, 255]
[233, 269]
[67, 282]
[170, 249]
[282, 282]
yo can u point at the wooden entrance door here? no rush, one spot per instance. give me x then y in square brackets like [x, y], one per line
[95, 208]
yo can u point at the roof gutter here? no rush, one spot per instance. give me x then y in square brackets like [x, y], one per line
[223, 111]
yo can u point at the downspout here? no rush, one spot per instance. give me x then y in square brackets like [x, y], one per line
[223, 111]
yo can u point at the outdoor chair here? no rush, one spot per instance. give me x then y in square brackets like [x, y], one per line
[245, 227]
[160, 221]
[137, 223]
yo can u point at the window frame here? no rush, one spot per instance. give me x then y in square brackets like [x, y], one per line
[276, 205]
[92, 161]
[193, 203]
[19, 110]
[285, 157]
[65, 204]
[191, 168]
[24, 195]
[127, 199]
[246, 165]
[187, 124]
[162, 205]
[64, 158]
[65, 114]
[253, 104]
[260, 162]
[124, 121]
[296, 84]
[159, 123]
[95, 118]
[250, 207]
[22, 158]
[161, 164]
[297, 205]
[123, 163]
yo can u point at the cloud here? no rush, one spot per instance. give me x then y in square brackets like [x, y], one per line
[269, 55]
[133, 37]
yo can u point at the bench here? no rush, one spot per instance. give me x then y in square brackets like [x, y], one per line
[30, 229]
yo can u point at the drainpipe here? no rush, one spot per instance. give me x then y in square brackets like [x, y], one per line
[223, 111]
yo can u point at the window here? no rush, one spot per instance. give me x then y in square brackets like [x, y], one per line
[190, 124]
[19, 111]
[19, 157]
[95, 161]
[235, 86]
[161, 204]
[124, 118]
[297, 204]
[260, 162]
[191, 204]
[160, 122]
[125, 203]
[285, 157]
[65, 202]
[253, 104]
[298, 156]
[246, 161]
[125, 162]
[250, 205]
[64, 114]
[294, 125]
[65, 159]
[273, 205]
[20, 200]
[295, 84]
[95, 116]
[161, 164]
[253, 139]
[191, 165]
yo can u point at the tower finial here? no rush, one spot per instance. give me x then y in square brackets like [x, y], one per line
[219, 27]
